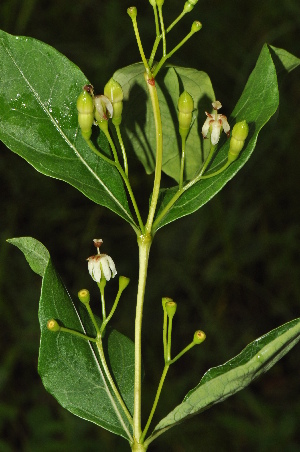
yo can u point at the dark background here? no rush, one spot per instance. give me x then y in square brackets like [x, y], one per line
[233, 267]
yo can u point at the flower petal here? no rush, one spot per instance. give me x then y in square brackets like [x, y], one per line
[112, 266]
[215, 132]
[105, 267]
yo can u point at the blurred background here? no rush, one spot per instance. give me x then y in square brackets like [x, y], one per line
[233, 267]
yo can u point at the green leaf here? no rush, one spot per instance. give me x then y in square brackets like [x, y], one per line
[257, 104]
[70, 367]
[35, 253]
[138, 120]
[220, 382]
[38, 120]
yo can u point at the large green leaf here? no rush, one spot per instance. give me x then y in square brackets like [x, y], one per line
[257, 104]
[38, 120]
[69, 366]
[138, 119]
[220, 382]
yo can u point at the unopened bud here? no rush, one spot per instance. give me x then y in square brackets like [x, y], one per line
[239, 134]
[84, 296]
[52, 325]
[123, 282]
[185, 107]
[113, 91]
[132, 12]
[199, 337]
[189, 5]
[165, 300]
[196, 26]
[160, 3]
[171, 307]
[85, 107]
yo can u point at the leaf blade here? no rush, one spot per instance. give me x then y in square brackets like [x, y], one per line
[220, 382]
[257, 104]
[69, 366]
[38, 92]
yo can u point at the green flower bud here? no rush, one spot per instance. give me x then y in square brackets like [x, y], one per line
[85, 107]
[185, 107]
[152, 2]
[239, 134]
[132, 12]
[52, 325]
[84, 296]
[113, 91]
[196, 26]
[189, 5]
[199, 337]
[171, 307]
[123, 282]
[160, 3]
[165, 300]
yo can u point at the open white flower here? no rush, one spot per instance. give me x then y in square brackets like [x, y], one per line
[101, 265]
[215, 123]
[103, 108]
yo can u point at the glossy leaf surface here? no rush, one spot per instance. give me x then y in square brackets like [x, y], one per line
[138, 119]
[257, 104]
[220, 382]
[38, 93]
[69, 366]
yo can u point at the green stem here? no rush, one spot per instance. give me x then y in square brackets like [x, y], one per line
[186, 187]
[163, 31]
[159, 389]
[88, 308]
[165, 57]
[76, 333]
[186, 349]
[216, 172]
[169, 339]
[111, 312]
[144, 243]
[126, 180]
[110, 379]
[95, 150]
[183, 141]
[101, 286]
[139, 43]
[165, 329]
[159, 154]
[112, 145]
[122, 149]
[159, 36]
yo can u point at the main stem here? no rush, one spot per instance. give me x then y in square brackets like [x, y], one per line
[144, 243]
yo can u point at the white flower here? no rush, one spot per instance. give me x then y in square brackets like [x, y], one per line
[101, 263]
[215, 123]
[104, 108]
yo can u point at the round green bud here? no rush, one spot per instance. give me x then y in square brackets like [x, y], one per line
[189, 5]
[123, 282]
[239, 134]
[132, 12]
[52, 325]
[160, 3]
[196, 26]
[185, 103]
[113, 91]
[152, 2]
[185, 107]
[171, 307]
[165, 300]
[85, 108]
[199, 337]
[84, 296]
